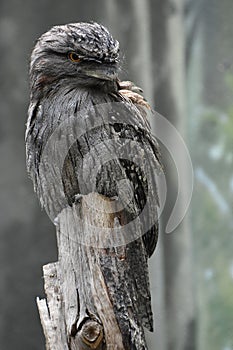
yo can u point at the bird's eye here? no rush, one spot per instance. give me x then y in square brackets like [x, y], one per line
[74, 57]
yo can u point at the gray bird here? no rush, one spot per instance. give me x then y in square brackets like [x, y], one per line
[74, 72]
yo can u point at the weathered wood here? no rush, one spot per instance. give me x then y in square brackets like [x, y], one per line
[78, 313]
[50, 310]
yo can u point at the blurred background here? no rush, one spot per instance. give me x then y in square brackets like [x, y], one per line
[181, 53]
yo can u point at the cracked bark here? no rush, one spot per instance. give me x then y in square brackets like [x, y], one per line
[78, 313]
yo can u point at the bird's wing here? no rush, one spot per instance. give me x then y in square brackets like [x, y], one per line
[126, 274]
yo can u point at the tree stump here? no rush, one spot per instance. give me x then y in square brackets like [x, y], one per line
[78, 313]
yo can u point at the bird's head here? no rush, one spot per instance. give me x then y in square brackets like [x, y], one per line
[80, 54]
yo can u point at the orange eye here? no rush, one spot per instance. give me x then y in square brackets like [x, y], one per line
[74, 57]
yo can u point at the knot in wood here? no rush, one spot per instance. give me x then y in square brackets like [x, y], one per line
[92, 334]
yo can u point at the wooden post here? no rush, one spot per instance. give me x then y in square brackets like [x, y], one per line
[78, 313]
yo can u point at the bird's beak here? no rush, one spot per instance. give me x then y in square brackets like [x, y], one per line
[103, 74]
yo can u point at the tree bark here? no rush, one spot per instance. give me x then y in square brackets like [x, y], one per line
[78, 313]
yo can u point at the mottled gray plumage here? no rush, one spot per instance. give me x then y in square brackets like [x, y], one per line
[61, 87]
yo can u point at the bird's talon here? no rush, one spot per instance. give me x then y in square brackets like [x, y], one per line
[129, 85]
[135, 98]
[137, 89]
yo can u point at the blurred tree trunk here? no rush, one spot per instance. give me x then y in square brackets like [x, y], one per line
[171, 102]
[216, 18]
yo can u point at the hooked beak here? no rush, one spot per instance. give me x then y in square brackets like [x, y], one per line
[102, 75]
[103, 72]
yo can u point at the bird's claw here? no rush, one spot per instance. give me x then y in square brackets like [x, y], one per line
[135, 98]
[134, 93]
[129, 85]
